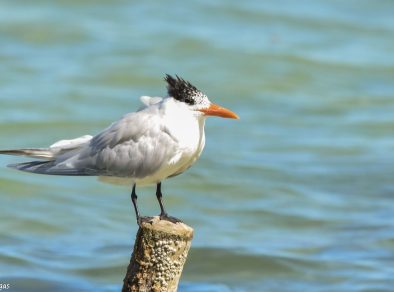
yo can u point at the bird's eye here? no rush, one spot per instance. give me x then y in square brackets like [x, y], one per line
[190, 100]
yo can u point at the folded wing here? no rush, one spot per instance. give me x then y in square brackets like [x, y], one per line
[136, 146]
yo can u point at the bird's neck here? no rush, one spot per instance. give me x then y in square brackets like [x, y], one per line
[185, 125]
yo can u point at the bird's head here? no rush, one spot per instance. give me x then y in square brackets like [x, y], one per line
[197, 101]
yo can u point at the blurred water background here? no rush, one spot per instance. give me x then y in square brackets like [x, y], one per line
[296, 196]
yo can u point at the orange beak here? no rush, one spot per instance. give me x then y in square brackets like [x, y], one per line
[218, 111]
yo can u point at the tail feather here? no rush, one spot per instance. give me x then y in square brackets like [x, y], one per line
[47, 167]
[53, 158]
[42, 153]
[56, 149]
[31, 166]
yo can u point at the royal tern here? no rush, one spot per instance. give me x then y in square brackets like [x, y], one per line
[160, 140]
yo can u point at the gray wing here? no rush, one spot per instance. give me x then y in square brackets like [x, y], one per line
[135, 146]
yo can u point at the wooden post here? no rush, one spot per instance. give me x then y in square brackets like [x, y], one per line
[160, 251]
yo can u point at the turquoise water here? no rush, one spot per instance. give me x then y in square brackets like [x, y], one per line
[298, 195]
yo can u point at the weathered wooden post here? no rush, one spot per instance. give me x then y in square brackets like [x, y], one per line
[160, 251]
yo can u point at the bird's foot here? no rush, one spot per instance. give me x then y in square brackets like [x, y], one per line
[143, 219]
[164, 216]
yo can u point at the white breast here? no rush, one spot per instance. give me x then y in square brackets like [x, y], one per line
[187, 130]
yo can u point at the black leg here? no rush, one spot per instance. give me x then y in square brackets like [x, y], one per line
[134, 200]
[159, 197]
[163, 213]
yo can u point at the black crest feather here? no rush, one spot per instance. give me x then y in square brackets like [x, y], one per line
[181, 89]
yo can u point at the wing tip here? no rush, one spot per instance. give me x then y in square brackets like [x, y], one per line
[28, 166]
[45, 167]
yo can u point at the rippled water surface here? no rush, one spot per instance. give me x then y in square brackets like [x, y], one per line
[298, 195]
